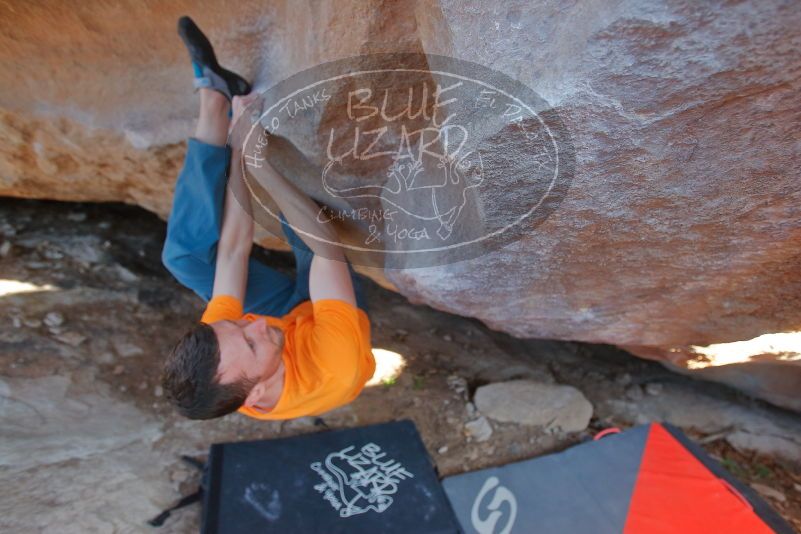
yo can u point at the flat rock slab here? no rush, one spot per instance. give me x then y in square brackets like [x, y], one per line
[534, 403]
[751, 428]
[43, 421]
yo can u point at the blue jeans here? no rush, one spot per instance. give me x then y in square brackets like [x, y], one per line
[193, 231]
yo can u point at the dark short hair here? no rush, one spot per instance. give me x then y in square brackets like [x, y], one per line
[190, 378]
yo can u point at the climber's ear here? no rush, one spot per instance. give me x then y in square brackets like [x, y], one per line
[255, 394]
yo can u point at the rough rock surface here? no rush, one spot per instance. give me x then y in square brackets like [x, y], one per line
[745, 429]
[42, 419]
[682, 224]
[533, 403]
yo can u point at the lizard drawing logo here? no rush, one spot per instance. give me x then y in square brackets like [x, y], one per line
[424, 184]
[359, 481]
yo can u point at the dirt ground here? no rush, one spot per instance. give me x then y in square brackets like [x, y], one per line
[90, 445]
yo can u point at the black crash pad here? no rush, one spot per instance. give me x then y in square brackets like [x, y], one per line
[372, 479]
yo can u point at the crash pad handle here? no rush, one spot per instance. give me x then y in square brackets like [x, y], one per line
[605, 432]
[736, 493]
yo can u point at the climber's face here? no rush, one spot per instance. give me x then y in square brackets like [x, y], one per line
[248, 349]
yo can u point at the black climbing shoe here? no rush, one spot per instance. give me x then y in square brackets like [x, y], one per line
[209, 73]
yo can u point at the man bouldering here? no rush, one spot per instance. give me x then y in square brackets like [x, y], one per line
[267, 346]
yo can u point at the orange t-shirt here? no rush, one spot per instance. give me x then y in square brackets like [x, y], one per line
[327, 356]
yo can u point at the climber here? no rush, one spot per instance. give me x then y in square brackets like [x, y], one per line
[268, 346]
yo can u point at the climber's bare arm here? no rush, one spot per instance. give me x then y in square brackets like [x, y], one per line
[329, 277]
[236, 235]
[301, 212]
[236, 242]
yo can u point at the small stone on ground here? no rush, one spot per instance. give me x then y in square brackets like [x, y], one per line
[535, 403]
[480, 429]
